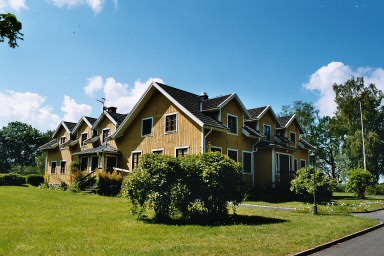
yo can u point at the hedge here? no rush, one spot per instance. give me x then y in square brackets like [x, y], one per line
[34, 179]
[11, 179]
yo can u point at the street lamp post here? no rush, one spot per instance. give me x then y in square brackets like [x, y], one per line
[312, 159]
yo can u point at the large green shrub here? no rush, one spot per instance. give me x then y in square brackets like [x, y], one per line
[34, 179]
[203, 183]
[377, 189]
[11, 179]
[303, 184]
[359, 180]
[108, 184]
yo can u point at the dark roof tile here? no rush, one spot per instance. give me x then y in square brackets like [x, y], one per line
[255, 112]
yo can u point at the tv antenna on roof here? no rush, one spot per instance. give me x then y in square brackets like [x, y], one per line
[102, 101]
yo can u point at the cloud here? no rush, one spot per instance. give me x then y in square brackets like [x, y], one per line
[27, 107]
[74, 111]
[337, 72]
[94, 84]
[16, 5]
[96, 5]
[118, 94]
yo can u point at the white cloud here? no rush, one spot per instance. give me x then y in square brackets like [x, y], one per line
[94, 84]
[118, 94]
[74, 111]
[96, 5]
[27, 107]
[337, 72]
[16, 5]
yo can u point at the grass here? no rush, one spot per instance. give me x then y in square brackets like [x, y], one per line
[46, 222]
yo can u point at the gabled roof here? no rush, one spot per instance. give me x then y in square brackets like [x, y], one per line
[187, 102]
[115, 118]
[214, 103]
[285, 122]
[68, 126]
[258, 113]
[305, 144]
[49, 145]
[249, 132]
[86, 119]
[99, 149]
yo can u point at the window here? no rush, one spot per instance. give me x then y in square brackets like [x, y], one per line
[135, 159]
[63, 165]
[302, 163]
[159, 151]
[171, 123]
[106, 133]
[292, 136]
[111, 163]
[267, 131]
[295, 165]
[84, 163]
[216, 149]
[95, 163]
[62, 140]
[247, 162]
[232, 153]
[53, 166]
[94, 133]
[232, 123]
[84, 137]
[182, 151]
[146, 126]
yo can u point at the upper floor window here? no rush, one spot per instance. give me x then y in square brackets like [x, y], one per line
[53, 166]
[171, 123]
[216, 149]
[62, 140]
[84, 137]
[247, 162]
[182, 151]
[292, 136]
[267, 131]
[146, 126]
[232, 123]
[232, 153]
[106, 133]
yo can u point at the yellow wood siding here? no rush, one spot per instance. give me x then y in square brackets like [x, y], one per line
[263, 167]
[267, 119]
[106, 123]
[188, 132]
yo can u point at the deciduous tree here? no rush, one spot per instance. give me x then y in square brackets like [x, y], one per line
[10, 28]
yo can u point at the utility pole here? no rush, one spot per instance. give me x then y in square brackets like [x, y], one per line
[362, 135]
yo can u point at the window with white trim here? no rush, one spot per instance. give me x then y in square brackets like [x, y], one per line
[216, 149]
[136, 155]
[292, 137]
[53, 166]
[232, 123]
[106, 133]
[302, 163]
[247, 162]
[171, 123]
[267, 131]
[147, 126]
[84, 137]
[62, 140]
[63, 166]
[232, 153]
[159, 151]
[182, 151]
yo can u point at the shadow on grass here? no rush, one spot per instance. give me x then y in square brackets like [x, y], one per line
[223, 221]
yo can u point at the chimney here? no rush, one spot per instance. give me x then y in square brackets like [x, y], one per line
[111, 109]
[202, 97]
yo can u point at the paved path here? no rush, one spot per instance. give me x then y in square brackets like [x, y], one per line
[267, 207]
[371, 244]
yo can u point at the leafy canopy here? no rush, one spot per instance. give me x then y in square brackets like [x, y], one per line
[10, 28]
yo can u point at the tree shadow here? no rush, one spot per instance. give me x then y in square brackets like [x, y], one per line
[203, 220]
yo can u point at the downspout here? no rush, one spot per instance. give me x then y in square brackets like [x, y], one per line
[205, 138]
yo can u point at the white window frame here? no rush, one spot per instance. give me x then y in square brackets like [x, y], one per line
[82, 142]
[55, 167]
[142, 126]
[270, 131]
[237, 124]
[135, 152]
[305, 163]
[177, 123]
[237, 153]
[217, 147]
[65, 169]
[290, 137]
[184, 147]
[63, 137]
[158, 150]
[102, 135]
[248, 152]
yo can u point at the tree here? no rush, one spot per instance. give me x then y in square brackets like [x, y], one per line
[306, 112]
[10, 28]
[19, 143]
[359, 180]
[349, 96]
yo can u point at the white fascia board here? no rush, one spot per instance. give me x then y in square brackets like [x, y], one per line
[111, 118]
[227, 100]
[57, 129]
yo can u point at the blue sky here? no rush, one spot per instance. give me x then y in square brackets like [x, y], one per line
[268, 52]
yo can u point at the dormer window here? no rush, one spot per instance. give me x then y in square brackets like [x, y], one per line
[292, 137]
[84, 137]
[62, 140]
[106, 133]
[232, 123]
[267, 131]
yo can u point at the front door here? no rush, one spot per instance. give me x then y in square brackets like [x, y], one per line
[95, 163]
[111, 162]
[284, 168]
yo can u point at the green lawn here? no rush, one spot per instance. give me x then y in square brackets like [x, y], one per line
[46, 222]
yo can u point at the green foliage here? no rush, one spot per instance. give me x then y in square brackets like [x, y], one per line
[10, 28]
[359, 180]
[11, 179]
[305, 112]
[34, 179]
[108, 184]
[377, 189]
[303, 184]
[191, 185]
